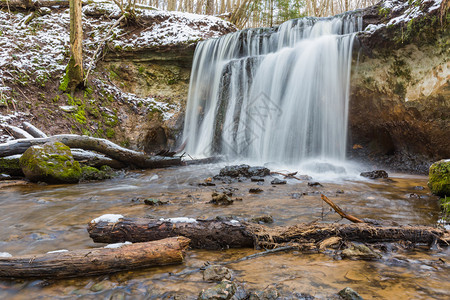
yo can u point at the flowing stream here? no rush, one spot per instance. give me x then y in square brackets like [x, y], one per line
[37, 219]
[273, 94]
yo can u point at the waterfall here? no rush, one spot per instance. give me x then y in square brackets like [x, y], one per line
[273, 94]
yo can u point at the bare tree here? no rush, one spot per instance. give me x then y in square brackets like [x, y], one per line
[74, 72]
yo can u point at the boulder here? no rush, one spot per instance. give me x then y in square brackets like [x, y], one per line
[51, 162]
[439, 178]
[375, 174]
[349, 294]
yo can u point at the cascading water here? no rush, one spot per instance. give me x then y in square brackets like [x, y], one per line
[273, 95]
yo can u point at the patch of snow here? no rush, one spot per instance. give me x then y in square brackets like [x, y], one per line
[234, 221]
[5, 254]
[69, 108]
[111, 218]
[117, 245]
[57, 251]
[371, 28]
[179, 220]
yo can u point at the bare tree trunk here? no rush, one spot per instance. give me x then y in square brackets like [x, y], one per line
[172, 5]
[74, 74]
[28, 4]
[210, 7]
[97, 261]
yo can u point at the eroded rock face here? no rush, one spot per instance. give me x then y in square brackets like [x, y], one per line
[400, 90]
[51, 163]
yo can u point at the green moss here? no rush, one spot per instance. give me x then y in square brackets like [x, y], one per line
[439, 178]
[110, 133]
[445, 208]
[64, 84]
[90, 173]
[10, 166]
[56, 99]
[51, 162]
[384, 11]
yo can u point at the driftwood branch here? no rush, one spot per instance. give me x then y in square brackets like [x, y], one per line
[35, 132]
[224, 234]
[127, 156]
[340, 211]
[97, 261]
[96, 160]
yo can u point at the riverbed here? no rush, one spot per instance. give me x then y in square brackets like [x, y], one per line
[39, 218]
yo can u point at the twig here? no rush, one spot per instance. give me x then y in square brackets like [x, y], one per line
[289, 175]
[99, 46]
[340, 211]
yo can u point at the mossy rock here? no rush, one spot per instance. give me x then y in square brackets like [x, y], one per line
[439, 178]
[91, 173]
[10, 165]
[52, 163]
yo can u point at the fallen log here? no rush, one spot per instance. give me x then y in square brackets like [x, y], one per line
[29, 4]
[96, 160]
[17, 132]
[211, 234]
[203, 234]
[127, 156]
[88, 262]
[35, 132]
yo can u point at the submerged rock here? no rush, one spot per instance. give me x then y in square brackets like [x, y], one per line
[217, 273]
[439, 178]
[314, 184]
[262, 219]
[91, 173]
[360, 251]
[223, 291]
[221, 199]
[52, 163]
[349, 294]
[375, 174]
[255, 190]
[155, 202]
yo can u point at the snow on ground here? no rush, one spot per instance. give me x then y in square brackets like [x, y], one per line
[58, 251]
[408, 11]
[7, 119]
[5, 254]
[149, 104]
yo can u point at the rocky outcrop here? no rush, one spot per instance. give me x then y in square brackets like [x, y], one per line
[400, 90]
[439, 178]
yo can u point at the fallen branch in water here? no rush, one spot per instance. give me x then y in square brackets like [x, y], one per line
[96, 261]
[340, 211]
[211, 234]
[291, 175]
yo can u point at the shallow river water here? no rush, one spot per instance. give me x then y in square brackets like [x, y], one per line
[36, 219]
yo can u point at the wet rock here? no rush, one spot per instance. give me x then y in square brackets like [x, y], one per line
[257, 179]
[217, 273]
[234, 171]
[296, 195]
[10, 165]
[255, 190]
[51, 163]
[207, 182]
[414, 196]
[340, 192]
[90, 173]
[439, 178]
[375, 174]
[268, 294]
[243, 171]
[360, 251]
[332, 242]
[314, 183]
[418, 188]
[268, 219]
[223, 291]
[155, 202]
[349, 294]
[278, 181]
[221, 199]
[258, 171]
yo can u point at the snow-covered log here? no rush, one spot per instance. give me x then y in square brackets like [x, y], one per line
[88, 262]
[17, 132]
[34, 131]
[213, 234]
[126, 156]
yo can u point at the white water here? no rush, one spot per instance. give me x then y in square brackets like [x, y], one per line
[273, 95]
